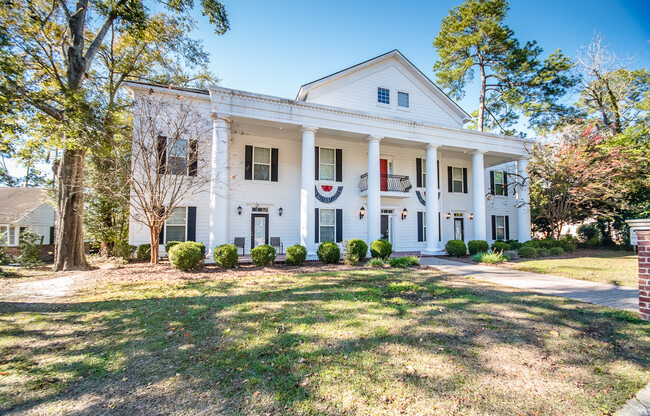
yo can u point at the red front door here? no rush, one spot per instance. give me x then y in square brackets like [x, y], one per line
[383, 174]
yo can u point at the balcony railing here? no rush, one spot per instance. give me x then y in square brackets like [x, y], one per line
[388, 183]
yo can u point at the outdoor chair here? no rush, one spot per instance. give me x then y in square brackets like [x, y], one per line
[240, 242]
[275, 242]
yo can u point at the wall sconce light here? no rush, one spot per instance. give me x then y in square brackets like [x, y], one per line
[448, 215]
[405, 212]
[280, 211]
[362, 212]
[471, 216]
[239, 210]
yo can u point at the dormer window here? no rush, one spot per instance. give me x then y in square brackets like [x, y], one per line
[383, 95]
[403, 99]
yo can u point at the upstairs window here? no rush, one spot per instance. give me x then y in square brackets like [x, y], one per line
[457, 179]
[177, 152]
[498, 183]
[383, 95]
[403, 99]
[261, 163]
[327, 160]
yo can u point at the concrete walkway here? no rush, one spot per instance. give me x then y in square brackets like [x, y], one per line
[619, 297]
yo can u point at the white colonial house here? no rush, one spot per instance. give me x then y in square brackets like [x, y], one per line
[374, 151]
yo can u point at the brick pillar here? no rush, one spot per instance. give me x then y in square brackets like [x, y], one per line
[643, 237]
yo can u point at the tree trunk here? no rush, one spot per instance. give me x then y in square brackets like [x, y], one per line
[481, 101]
[69, 251]
[155, 244]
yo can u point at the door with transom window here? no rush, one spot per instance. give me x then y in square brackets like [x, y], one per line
[259, 229]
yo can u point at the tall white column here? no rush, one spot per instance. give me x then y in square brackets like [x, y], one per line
[374, 189]
[307, 184]
[432, 207]
[219, 215]
[523, 201]
[478, 194]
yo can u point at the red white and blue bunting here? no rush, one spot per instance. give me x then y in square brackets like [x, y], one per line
[421, 198]
[327, 194]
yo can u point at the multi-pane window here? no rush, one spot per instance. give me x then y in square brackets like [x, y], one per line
[261, 163]
[4, 235]
[176, 225]
[423, 169]
[403, 99]
[383, 95]
[457, 179]
[327, 222]
[499, 188]
[327, 161]
[500, 226]
[177, 155]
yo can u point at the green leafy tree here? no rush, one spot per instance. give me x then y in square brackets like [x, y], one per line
[513, 78]
[57, 44]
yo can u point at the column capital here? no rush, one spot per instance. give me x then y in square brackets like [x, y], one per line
[432, 146]
[309, 128]
[478, 152]
[372, 137]
[223, 117]
[523, 159]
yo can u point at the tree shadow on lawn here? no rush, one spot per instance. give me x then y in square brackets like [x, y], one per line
[299, 347]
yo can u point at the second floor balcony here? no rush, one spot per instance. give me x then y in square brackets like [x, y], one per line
[389, 185]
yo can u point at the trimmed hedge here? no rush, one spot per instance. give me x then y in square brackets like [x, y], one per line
[381, 249]
[263, 255]
[169, 245]
[555, 251]
[201, 247]
[456, 248]
[500, 246]
[477, 246]
[296, 255]
[143, 253]
[328, 252]
[225, 256]
[514, 244]
[185, 256]
[357, 248]
[570, 247]
[528, 252]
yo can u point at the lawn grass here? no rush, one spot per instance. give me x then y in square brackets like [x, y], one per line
[605, 266]
[362, 342]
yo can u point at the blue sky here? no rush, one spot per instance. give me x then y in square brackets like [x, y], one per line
[274, 47]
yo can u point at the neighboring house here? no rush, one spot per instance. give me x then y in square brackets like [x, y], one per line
[374, 151]
[23, 208]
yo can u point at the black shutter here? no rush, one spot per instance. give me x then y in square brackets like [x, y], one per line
[450, 179]
[316, 162]
[316, 227]
[274, 165]
[162, 155]
[51, 235]
[494, 227]
[193, 155]
[191, 223]
[439, 228]
[492, 182]
[438, 171]
[507, 228]
[465, 180]
[418, 173]
[505, 184]
[420, 226]
[339, 165]
[248, 163]
[161, 236]
[339, 225]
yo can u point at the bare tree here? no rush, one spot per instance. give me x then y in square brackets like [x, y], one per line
[166, 167]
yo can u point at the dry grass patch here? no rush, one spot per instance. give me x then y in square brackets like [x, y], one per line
[299, 341]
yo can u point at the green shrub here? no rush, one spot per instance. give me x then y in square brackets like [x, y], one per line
[403, 262]
[570, 248]
[555, 251]
[143, 253]
[500, 246]
[30, 249]
[456, 248]
[169, 245]
[201, 247]
[356, 250]
[542, 252]
[528, 252]
[415, 260]
[4, 258]
[225, 256]
[263, 255]
[381, 249]
[477, 246]
[185, 256]
[492, 258]
[589, 233]
[532, 243]
[296, 255]
[376, 262]
[514, 244]
[328, 252]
